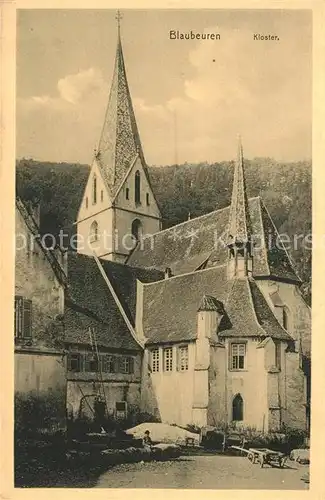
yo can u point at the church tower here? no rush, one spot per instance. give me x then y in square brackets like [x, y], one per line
[118, 207]
[239, 228]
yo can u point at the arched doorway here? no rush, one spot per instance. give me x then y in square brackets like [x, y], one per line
[237, 408]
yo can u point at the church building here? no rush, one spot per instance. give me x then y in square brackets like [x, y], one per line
[209, 316]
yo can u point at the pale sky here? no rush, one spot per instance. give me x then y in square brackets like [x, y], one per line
[191, 97]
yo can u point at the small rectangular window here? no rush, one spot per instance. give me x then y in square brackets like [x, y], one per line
[148, 199]
[127, 193]
[238, 354]
[74, 362]
[126, 364]
[91, 363]
[86, 202]
[168, 359]
[183, 358]
[108, 363]
[155, 360]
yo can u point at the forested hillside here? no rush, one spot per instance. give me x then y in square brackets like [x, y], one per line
[183, 189]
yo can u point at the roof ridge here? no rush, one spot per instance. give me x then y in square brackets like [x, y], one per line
[253, 306]
[251, 280]
[188, 221]
[199, 217]
[185, 274]
[293, 265]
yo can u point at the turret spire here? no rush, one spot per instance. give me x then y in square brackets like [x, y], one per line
[239, 225]
[118, 17]
[119, 143]
[239, 230]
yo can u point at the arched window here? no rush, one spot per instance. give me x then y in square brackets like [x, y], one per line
[136, 229]
[137, 186]
[238, 408]
[93, 234]
[94, 189]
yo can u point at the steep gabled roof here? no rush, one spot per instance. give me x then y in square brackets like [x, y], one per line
[239, 229]
[119, 143]
[202, 242]
[170, 307]
[89, 302]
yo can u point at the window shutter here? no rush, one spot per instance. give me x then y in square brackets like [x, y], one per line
[27, 319]
[18, 316]
[131, 364]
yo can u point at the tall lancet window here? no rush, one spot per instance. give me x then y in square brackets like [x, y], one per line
[94, 189]
[137, 187]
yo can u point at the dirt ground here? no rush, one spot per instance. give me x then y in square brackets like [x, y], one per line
[205, 472]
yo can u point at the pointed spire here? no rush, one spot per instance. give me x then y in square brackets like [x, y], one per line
[239, 225]
[119, 142]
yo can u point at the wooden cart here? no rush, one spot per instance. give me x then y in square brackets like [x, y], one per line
[262, 455]
[266, 456]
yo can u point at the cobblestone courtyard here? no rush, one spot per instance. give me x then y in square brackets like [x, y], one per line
[215, 472]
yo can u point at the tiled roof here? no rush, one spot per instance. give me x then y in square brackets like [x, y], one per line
[170, 307]
[186, 247]
[90, 300]
[209, 303]
[119, 143]
[264, 314]
[78, 324]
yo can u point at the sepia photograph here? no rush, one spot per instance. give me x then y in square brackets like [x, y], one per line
[163, 249]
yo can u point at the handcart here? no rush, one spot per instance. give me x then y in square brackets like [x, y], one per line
[263, 456]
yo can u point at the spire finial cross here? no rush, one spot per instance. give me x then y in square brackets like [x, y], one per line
[118, 17]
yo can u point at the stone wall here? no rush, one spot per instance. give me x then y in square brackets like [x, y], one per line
[169, 395]
[40, 392]
[81, 395]
[35, 280]
[40, 371]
